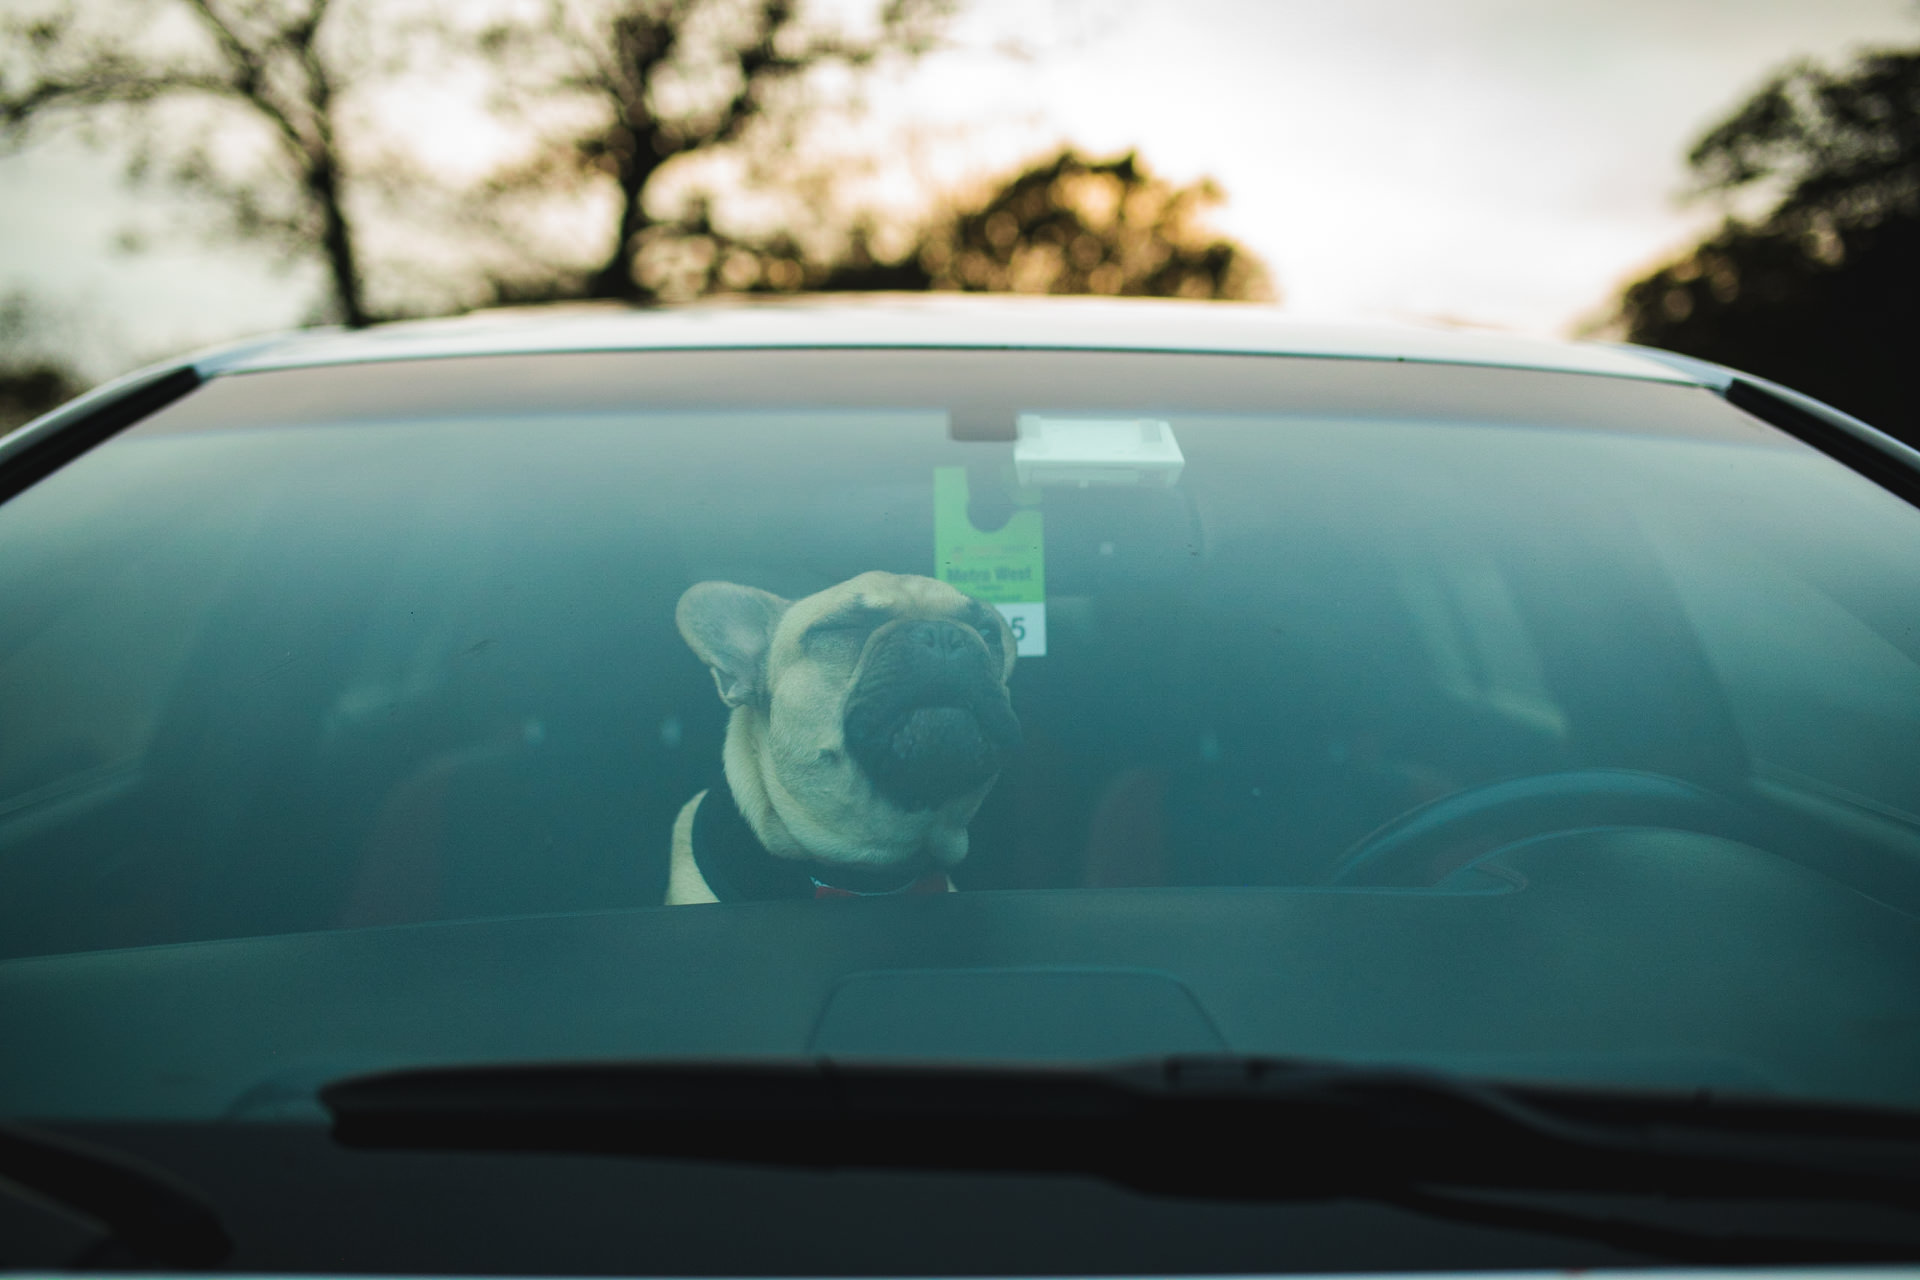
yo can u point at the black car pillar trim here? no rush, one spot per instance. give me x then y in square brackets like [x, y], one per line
[1879, 457]
[48, 443]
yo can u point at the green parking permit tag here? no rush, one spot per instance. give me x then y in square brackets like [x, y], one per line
[1003, 568]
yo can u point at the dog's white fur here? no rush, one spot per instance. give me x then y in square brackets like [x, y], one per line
[685, 884]
[787, 764]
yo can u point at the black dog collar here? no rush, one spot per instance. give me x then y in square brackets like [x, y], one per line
[738, 868]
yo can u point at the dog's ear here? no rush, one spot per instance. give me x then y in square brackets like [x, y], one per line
[730, 626]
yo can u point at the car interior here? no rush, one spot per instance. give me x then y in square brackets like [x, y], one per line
[470, 699]
[1499, 730]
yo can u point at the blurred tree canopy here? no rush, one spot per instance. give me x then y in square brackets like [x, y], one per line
[32, 379]
[266, 109]
[266, 66]
[28, 389]
[617, 93]
[1821, 291]
[1067, 224]
[628, 123]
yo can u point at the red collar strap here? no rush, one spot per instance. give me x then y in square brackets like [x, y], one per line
[935, 883]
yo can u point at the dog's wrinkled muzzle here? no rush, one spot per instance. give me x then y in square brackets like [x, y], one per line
[929, 719]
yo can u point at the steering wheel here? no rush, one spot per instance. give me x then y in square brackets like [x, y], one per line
[1427, 844]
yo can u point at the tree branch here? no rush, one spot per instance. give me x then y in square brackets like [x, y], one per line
[249, 75]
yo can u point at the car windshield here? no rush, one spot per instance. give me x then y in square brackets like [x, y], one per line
[1530, 724]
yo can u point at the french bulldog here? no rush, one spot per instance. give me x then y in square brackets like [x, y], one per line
[868, 723]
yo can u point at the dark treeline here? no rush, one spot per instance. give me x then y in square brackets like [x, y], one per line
[267, 114]
[33, 377]
[1822, 290]
[1067, 224]
[646, 114]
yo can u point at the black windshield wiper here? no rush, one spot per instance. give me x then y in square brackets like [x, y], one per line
[1229, 1128]
[147, 1213]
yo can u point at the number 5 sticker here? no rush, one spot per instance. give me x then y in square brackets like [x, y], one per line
[1028, 623]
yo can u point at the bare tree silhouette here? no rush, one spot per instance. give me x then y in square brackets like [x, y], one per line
[247, 105]
[277, 70]
[614, 96]
[619, 94]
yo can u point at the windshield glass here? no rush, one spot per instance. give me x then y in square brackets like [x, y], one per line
[1532, 724]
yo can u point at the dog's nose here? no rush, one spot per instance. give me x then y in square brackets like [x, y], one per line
[947, 640]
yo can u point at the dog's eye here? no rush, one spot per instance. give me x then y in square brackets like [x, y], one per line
[844, 634]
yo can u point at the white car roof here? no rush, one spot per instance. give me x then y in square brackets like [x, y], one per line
[931, 321]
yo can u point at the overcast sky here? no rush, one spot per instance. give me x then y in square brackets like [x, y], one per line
[1497, 162]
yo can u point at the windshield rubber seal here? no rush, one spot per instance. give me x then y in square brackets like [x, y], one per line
[43, 446]
[1871, 453]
